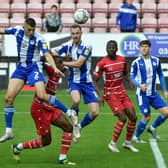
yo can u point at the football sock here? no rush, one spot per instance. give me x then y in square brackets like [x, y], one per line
[117, 130]
[57, 103]
[65, 144]
[9, 111]
[141, 127]
[86, 120]
[35, 143]
[76, 108]
[159, 120]
[130, 130]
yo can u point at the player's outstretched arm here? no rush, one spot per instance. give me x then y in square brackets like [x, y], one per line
[76, 64]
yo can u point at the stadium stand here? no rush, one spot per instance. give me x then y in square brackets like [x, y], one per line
[102, 17]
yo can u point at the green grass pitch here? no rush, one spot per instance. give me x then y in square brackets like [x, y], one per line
[90, 152]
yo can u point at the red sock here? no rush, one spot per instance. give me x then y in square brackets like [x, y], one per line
[130, 130]
[65, 142]
[117, 130]
[35, 143]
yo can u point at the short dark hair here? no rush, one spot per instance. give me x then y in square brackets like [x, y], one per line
[146, 42]
[75, 26]
[112, 41]
[54, 6]
[31, 22]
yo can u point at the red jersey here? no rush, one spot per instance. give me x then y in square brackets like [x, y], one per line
[51, 83]
[114, 71]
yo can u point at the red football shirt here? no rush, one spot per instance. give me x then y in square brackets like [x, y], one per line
[114, 71]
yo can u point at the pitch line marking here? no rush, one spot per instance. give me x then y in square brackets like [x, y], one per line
[158, 155]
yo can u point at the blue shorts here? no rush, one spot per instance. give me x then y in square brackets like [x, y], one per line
[87, 90]
[144, 102]
[30, 74]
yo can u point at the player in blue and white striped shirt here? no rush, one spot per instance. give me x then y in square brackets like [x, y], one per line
[80, 80]
[29, 69]
[144, 71]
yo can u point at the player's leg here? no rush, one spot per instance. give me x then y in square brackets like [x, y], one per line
[118, 127]
[32, 144]
[161, 105]
[118, 110]
[90, 98]
[144, 103]
[131, 125]
[14, 86]
[66, 140]
[41, 116]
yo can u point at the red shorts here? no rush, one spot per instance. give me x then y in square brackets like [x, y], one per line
[43, 116]
[118, 102]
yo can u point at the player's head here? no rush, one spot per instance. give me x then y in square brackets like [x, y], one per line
[76, 33]
[29, 26]
[145, 47]
[54, 9]
[111, 48]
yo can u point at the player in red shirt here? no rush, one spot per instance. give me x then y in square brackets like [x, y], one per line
[114, 68]
[45, 115]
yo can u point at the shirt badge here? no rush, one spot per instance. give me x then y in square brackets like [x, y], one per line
[32, 42]
[45, 46]
[86, 52]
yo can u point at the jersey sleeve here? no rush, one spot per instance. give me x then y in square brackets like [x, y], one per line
[99, 69]
[87, 51]
[161, 77]
[11, 30]
[43, 45]
[62, 49]
[133, 73]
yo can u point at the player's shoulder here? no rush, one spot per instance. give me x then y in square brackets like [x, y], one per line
[119, 57]
[154, 57]
[86, 44]
[136, 60]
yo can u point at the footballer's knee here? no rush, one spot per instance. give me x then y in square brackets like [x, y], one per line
[9, 100]
[68, 128]
[46, 140]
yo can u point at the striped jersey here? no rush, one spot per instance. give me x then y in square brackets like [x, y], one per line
[114, 71]
[144, 71]
[82, 74]
[28, 48]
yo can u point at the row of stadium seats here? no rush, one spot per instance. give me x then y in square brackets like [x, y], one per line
[152, 14]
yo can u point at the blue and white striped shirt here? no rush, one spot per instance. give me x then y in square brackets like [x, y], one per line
[28, 48]
[145, 71]
[82, 74]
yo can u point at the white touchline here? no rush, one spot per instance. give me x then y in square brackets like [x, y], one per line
[158, 156]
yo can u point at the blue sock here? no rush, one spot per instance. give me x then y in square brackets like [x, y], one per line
[9, 111]
[141, 127]
[159, 120]
[86, 120]
[57, 103]
[76, 108]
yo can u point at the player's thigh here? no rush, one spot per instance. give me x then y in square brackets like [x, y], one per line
[40, 91]
[144, 104]
[164, 111]
[14, 86]
[63, 123]
[115, 103]
[89, 94]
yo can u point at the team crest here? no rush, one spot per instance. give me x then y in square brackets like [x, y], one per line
[32, 42]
